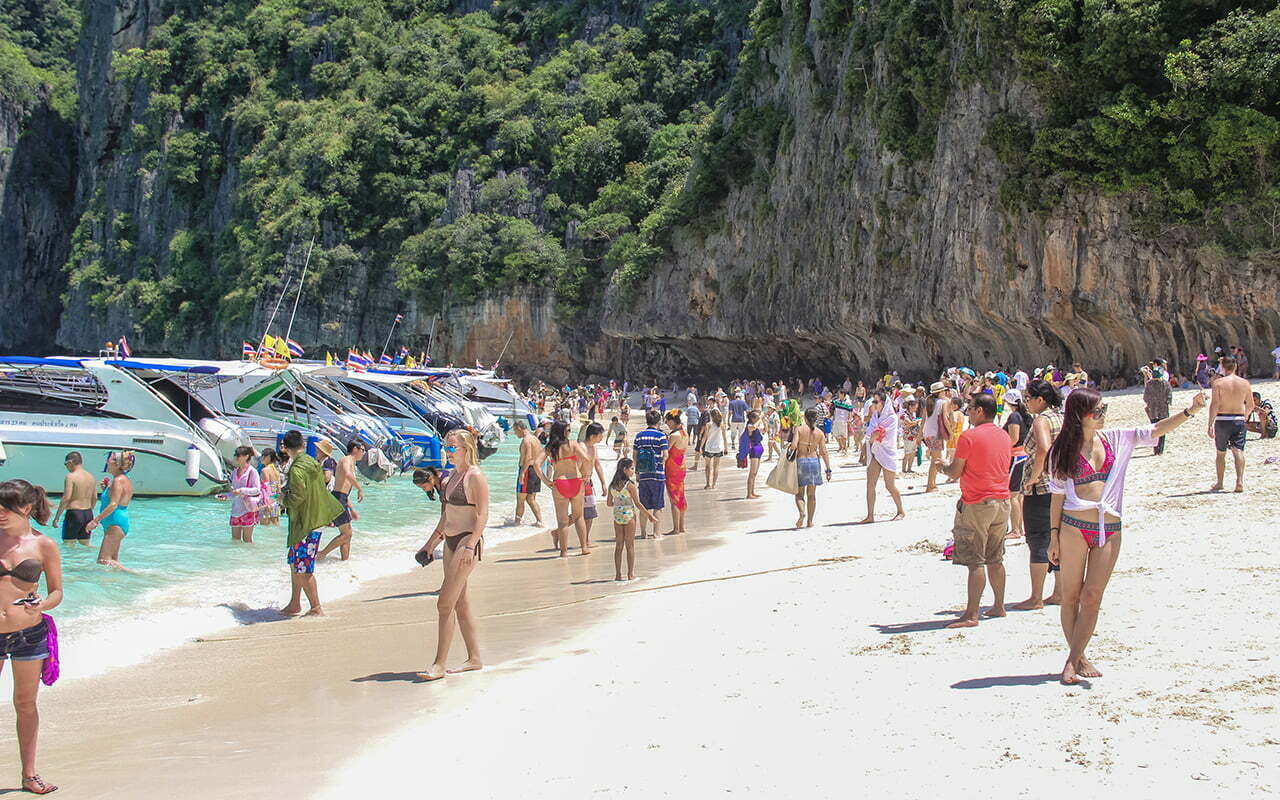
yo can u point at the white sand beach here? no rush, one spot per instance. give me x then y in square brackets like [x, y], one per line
[750, 658]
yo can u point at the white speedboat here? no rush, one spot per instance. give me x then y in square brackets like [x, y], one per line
[52, 406]
[498, 395]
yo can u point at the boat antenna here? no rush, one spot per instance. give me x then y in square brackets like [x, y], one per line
[387, 343]
[301, 283]
[503, 353]
[283, 290]
[431, 337]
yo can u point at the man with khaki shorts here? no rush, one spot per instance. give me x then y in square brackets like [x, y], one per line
[982, 461]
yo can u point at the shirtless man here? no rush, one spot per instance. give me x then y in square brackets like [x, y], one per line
[1230, 405]
[78, 492]
[344, 480]
[528, 484]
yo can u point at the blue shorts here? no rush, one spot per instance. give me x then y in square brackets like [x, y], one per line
[808, 471]
[28, 644]
[653, 493]
[302, 556]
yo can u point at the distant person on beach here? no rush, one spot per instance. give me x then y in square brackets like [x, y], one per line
[528, 484]
[618, 433]
[693, 425]
[25, 554]
[751, 450]
[113, 507]
[982, 463]
[937, 412]
[674, 471]
[1018, 425]
[246, 489]
[1276, 355]
[714, 446]
[1230, 407]
[589, 438]
[311, 506]
[272, 481]
[1157, 395]
[344, 480]
[75, 507]
[567, 482]
[1263, 419]
[1087, 467]
[883, 457]
[624, 498]
[737, 416]
[1043, 403]
[810, 444]
[463, 518]
[650, 446]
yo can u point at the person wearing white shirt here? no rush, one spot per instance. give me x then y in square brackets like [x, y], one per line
[1021, 380]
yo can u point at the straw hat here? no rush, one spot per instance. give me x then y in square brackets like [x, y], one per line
[908, 389]
[937, 386]
[324, 447]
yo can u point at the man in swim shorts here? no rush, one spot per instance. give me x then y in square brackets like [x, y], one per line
[1230, 405]
[528, 484]
[344, 480]
[311, 506]
[75, 509]
[650, 447]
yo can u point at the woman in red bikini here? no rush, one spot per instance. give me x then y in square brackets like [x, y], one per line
[463, 516]
[1087, 467]
[567, 481]
[675, 471]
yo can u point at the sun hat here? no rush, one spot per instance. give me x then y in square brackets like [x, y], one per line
[937, 386]
[1013, 396]
[325, 447]
[1202, 357]
[908, 389]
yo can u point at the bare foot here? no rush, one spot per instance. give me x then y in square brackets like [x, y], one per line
[618, 577]
[800, 522]
[315, 612]
[1053, 600]
[1069, 677]
[470, 665]
[433, 673]
[866, 520]
[291, 611]
[586, 551]
[1028, 605]
[809, 524]
[996, 611]
[631, 577]
[1239, 488]
[1085, 669]
[964, 622]
[929, 489]
[898, 516]
[1217, 487]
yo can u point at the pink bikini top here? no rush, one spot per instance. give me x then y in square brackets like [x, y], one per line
[1085, 473]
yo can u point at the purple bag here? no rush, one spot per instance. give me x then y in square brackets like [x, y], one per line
[49, 675]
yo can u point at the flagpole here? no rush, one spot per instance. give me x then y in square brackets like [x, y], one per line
[431, 337]
[302, 282]
[504, 351]
[387, 343]
[287, 280]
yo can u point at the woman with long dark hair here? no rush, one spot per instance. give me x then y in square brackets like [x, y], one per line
[883, 456]
[1087, 468]
[675, 471]
[567, 482]
[1044, 404]
[25, 554]
[1018, 426]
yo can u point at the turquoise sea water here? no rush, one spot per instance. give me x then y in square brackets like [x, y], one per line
[186, 577]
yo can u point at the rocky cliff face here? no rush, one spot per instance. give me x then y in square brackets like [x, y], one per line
[846, 259]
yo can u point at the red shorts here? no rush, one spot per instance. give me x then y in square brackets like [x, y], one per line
[245, 520]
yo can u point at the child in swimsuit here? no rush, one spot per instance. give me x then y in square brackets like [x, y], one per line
[624, 498]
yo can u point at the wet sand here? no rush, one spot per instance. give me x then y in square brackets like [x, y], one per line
[750, 657]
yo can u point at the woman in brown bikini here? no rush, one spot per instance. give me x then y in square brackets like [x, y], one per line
[463, 516]
[24, 633]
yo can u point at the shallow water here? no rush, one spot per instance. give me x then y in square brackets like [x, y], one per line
[187, 578]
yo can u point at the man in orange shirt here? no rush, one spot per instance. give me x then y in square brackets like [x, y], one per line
[982, 461]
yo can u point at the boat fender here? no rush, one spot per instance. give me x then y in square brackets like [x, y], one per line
[193, 464]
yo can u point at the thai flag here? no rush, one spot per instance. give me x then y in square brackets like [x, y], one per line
[356, 362]
[295, 349]
[248, 350]
[124, 347]
[399, 318]
[384, 359]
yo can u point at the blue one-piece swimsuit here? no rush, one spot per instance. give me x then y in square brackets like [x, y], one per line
[119, 517]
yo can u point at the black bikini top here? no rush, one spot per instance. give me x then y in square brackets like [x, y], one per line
[27, 571]
[455, 494]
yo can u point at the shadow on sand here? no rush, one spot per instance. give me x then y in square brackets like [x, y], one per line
[914, 627]
[1014, 680]
[406, 596]
[253, 616]
[390, 677]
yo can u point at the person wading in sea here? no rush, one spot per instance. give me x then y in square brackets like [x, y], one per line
[1230, 407]
[311, 506]
[344, 480]
[113, 508]
[528, 484]
[75, 508]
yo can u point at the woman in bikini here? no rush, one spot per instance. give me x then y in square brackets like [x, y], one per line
[24, 632]
[753, 450]
[675, 471]
[463, 516]
[567, 482]
[113, 507]
[1087, 467]
[810, 444]
[883, 457]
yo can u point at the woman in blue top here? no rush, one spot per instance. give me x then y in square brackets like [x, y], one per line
[751, 449]
[113, 507]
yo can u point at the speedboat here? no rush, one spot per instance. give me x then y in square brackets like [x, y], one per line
[52, 406]
[390, 397]
[497, 395]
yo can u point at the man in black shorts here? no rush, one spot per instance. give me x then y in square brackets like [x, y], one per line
[528, 484]
[75, 508]
[1230, 406]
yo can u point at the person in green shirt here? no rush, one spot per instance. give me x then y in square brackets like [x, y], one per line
[311, 506]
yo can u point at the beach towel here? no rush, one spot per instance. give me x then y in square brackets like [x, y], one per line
[49, 673]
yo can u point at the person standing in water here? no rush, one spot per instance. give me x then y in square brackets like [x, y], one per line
[344, 480]
[311, 506]
[1230, 407]
[674, 469]
[463, 518]
[272, 480]
[113, 508]
[1087, 467]
[25, 554]
[528, 484]
[810, 444]
[75, 507]
[246, 488]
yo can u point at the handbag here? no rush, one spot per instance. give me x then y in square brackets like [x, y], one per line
[783, 475]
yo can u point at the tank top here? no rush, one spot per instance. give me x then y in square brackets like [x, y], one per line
[1054, 418]
[933, 425]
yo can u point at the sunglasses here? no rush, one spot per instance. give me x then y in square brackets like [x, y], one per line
[1100, 411]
